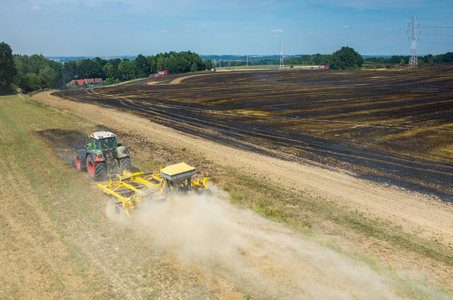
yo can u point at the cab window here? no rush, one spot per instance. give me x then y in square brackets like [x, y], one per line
[108, 143]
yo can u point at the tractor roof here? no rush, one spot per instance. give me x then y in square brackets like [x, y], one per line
[102, 135]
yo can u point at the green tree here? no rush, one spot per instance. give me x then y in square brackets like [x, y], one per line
[68, 71]
[152, 63]
[90, 68]
[197, 63]
[50, 76]
[72, 86]
[345, 58]
[50, 73]
[32, 82]
[182, 62]
[160, 62]
[111, 69]
[209, 64]
[141, 66]
[126, 69]
[444, 58]
[7, 68]
[169, 64]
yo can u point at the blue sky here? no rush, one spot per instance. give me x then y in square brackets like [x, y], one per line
[253, 27]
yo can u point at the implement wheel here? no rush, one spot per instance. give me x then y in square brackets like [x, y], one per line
[96, 170]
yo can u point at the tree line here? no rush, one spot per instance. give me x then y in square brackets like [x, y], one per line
[111, 71]
[326, 59]
[35, 72]
[446, 58]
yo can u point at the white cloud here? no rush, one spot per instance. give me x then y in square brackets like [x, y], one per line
[346, 26]
[277, 30]
[36, 7]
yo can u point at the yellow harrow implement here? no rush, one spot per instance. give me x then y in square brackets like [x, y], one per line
[132, 188]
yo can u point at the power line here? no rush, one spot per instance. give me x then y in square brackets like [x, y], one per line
[440, 43]
[437, 27]
[437, 34]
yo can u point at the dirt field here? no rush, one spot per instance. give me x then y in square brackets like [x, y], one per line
[392, 127]
[208, 248]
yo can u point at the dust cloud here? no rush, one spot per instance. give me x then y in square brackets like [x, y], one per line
[258, 255]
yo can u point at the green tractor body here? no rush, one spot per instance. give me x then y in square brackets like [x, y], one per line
[102, 156]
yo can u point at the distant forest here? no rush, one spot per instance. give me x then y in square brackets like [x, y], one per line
[36, 72]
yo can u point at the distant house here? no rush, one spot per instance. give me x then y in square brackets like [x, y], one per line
[90, 82]
[79, 82]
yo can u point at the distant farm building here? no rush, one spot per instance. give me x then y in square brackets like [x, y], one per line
[90, 82]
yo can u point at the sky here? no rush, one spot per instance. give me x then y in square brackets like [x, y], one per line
[217, 27]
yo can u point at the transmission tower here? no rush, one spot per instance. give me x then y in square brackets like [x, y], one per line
[282, 65]
[413, 64]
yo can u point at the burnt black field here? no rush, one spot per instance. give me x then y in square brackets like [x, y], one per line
[389, 126]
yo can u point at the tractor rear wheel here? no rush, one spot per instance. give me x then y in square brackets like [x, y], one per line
[125, 163]
[96, 170]
[80, 167]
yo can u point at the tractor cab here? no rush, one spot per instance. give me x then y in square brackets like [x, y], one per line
[103, 156]
[102, 140]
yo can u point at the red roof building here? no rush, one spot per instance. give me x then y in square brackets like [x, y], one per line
[90, 82]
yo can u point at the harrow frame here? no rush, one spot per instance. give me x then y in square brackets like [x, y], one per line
[132, 188]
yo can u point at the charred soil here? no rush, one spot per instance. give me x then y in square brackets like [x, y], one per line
[391, 127]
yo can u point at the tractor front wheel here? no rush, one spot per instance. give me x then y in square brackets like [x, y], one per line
[96, 170]
[125, 163]
[80, 167]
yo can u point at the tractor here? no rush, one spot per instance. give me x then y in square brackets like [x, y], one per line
[102, 156]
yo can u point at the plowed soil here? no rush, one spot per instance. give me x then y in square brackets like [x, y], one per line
[376, 142]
